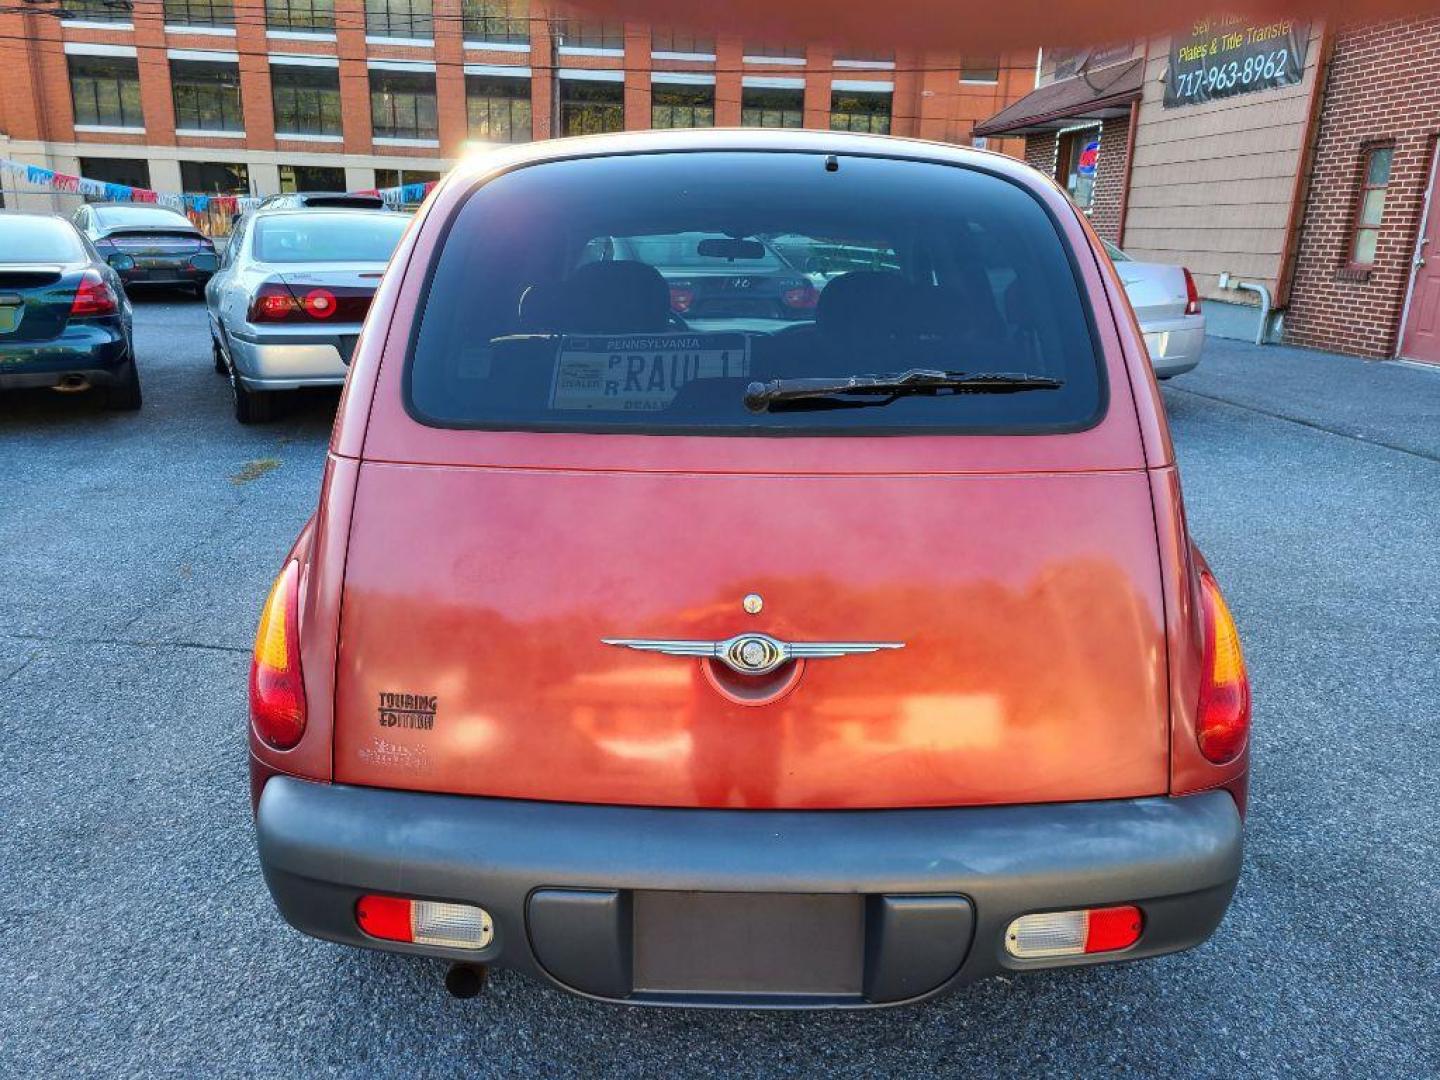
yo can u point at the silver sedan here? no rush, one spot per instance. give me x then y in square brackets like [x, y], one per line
[290, 296]
[1167, 305]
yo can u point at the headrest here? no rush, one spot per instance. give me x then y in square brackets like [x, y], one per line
[609, 297]
[864, 304]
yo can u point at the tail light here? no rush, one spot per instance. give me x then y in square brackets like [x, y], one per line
[276, 301]
[93, 297]
[682, 298]
[1074, 933]
[802, 297]
[277, 689]
[1223, 722]
[424, 922]
[1192, 294]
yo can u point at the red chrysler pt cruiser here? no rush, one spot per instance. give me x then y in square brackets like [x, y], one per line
[750, 570]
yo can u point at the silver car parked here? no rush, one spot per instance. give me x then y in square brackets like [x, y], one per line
[288, 300]
[1167, 305]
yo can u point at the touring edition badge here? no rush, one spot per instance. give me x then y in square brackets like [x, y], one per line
[415, 711]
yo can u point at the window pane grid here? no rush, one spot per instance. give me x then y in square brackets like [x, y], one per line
[399, 19]
[681, 41]
[681, 106]
[498, 109]
[200, 12]
[501, 22]
[106, 90]
[772, 108]
[592, 34]
[98, 10]
[207, 95]
[858, 111]
[1370, 209]
[307, 100]
[402, 105]
[303, 16]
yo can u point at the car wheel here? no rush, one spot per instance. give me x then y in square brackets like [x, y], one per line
[221, 368]
[123, 395]
[251, 406]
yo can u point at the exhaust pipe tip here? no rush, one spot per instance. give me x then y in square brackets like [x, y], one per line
[465, 981]
[72, 384]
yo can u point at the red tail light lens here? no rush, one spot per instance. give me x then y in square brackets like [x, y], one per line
[277, 689]
[802, 297]
[319, 303]
[93, 297]
[1223, 722]
[273, 302]
[1192, 295]
[681, 299]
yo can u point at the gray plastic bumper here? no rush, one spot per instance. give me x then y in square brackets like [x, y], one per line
[566, 884]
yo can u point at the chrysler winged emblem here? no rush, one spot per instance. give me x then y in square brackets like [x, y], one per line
[753, 654]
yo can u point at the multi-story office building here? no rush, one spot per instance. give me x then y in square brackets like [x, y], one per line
[259, 96]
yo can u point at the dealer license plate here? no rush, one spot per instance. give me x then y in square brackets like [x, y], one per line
[642, 372]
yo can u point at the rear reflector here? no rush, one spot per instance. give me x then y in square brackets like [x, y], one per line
[424, 922]
[1074, 933]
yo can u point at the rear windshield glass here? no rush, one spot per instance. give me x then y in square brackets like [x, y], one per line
[148, 217]
[38, 240]
[326, 238]
[649, 293]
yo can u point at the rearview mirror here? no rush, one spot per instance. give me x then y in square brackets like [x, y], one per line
[725, 248]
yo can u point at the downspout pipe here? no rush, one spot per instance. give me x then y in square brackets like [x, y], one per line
[1266, 305]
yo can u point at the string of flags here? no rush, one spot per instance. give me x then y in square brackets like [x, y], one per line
[39, 176]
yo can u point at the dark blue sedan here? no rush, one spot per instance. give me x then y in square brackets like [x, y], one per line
[64, 320]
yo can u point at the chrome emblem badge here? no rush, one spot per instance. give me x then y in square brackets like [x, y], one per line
[753, 654]
[752, 603]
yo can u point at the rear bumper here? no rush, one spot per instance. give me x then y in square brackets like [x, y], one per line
[561, 881]
[288, 360]
[97, 350]
[1175, 344]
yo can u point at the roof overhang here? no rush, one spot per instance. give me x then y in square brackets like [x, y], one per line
[1091, 96]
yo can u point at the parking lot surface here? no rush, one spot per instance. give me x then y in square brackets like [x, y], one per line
[136, 935]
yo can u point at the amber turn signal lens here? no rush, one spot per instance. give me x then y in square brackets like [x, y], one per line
[1223, 721]
[277, 691]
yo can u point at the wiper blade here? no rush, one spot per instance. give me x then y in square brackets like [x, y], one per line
[760, 396]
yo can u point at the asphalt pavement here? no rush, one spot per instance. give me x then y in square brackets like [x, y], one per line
[137, 938]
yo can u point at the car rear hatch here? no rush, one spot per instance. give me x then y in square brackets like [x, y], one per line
[35, 301]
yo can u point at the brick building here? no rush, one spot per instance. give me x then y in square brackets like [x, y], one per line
[1300, 203]
[258, 96]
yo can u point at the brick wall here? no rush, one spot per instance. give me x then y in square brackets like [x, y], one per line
[1381, 89]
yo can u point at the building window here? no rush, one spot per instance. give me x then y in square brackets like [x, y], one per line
[772, 107]
[402, 104]
[106, 90]
[388, 178]
[131, 172]
[199, 12]
[110, 11]
[311, 178]
[592, 34]
[301, 16]
[207, 95]
[860, 110]
[214, 178]
[1078, 157]
[499, 22]
[773, 50]
[682, 105]
[307, 99]
[681, 43]
[866, 58]
[1371, 207]
[498, 107]
[399, 19]
[980, 69]
[591, 107]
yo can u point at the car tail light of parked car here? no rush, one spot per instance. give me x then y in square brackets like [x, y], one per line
[424, 922]
[682, 298]
[1224, 720]
[803, 297]
[1074, 933]
[1192, 294]
[275, 301]
[277, 688]
[93, 297]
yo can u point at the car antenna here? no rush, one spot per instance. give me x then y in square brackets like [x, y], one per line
[832, 163]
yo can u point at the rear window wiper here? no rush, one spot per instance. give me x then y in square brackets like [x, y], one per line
[883, 389]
